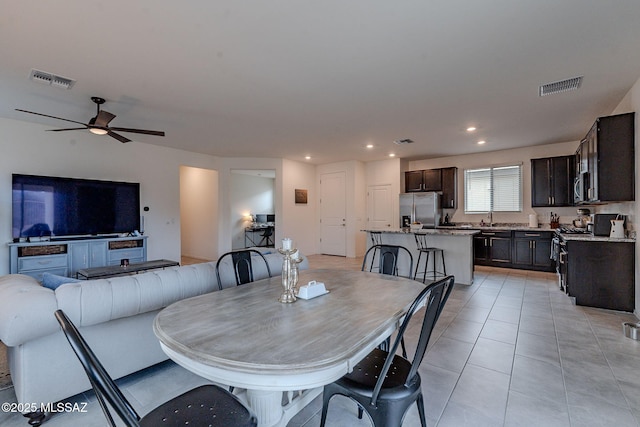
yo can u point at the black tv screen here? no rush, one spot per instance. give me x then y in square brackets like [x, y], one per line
[55, 206]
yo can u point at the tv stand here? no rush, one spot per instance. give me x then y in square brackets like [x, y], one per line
[64, 257]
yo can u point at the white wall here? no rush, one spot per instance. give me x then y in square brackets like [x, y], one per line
[299, 220]
[249, 195]
[199, 213]
[27, 148]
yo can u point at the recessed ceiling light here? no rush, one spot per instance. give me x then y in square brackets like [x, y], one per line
[471, 128]
[307, 157]
[369, 145]
[392, 155]
[481, 142]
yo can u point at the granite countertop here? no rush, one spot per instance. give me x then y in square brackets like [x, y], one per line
[499, 227]
[471, 229]
[444, 231]
[591, 238]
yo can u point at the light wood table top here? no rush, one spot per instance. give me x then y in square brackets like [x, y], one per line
[244, 337]
[246, 329]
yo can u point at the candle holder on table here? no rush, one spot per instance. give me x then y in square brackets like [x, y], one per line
[289, 272]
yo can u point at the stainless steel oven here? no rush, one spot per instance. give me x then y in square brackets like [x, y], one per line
[562, 265]
[559, 255]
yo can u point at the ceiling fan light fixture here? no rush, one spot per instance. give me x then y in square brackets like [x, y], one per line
[98, 131]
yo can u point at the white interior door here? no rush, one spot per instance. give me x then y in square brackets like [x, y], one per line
[379, 207]
[333, 214]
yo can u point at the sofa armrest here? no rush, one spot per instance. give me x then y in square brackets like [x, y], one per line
[26, 309]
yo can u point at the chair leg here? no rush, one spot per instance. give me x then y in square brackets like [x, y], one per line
[423, 417]
[426, 267]
[415, 274]
[325, 407]
[373, 259]
[444, 267]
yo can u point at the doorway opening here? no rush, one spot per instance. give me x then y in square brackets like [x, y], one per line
[198, 215]
[252, 208]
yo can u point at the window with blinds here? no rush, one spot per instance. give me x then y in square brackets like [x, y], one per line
[493, 189]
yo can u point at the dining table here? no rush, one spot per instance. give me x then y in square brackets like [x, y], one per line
[278, 356]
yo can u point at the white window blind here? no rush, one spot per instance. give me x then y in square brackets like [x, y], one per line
[497, 189]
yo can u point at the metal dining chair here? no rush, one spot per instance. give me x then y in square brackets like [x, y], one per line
[242, 263]
[386, 384]
[388, 257]
[207, 405]
[267, 237]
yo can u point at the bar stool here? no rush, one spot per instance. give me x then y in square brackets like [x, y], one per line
[423, 248]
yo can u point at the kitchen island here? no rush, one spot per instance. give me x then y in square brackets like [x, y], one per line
[457, 245]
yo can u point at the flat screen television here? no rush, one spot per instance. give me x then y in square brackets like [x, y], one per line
[56, 206]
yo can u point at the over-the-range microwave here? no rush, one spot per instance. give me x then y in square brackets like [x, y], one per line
[580, 187]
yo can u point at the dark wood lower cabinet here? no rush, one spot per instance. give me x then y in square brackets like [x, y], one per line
[492, 248]
[532, 250]
[514, 249]
[601, 274]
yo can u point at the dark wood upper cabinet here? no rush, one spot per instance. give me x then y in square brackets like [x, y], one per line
[413, 181]
[432, 180]
[607, 160]
[449, 188]
[613, 158]
[443, 181]
[552, 181]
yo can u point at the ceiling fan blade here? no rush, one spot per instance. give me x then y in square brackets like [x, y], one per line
[103, 118]
[118, 137]
[146, 132]
[52, 117]
[62, 130]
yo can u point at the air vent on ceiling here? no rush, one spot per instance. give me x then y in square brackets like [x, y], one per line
[561, 86]
[403, 141]
[51, 79]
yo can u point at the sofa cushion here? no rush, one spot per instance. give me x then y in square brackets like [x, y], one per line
[97, 301]
[52, 281]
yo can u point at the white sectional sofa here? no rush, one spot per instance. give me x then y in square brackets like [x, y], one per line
[115, 315]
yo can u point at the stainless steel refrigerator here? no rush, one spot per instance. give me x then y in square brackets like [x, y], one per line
[420, 207]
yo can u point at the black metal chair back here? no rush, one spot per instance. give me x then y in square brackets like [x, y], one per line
[384, 383]
[388, 258]
[205, 405]
[267, 237]
[242, 262]
[376, 237]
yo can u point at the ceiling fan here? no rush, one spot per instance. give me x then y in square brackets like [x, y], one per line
[100, 123]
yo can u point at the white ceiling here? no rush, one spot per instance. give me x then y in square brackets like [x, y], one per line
[292, 78]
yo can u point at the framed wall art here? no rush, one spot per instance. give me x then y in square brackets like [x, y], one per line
[301, 196]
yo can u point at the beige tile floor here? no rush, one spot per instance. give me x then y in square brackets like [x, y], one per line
[509, 350]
